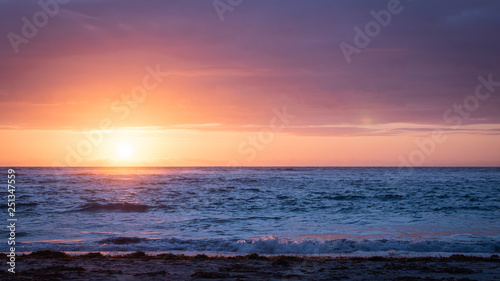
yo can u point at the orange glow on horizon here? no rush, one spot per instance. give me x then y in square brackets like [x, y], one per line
[212, 148]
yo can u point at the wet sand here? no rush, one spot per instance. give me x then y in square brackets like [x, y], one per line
[49, 265]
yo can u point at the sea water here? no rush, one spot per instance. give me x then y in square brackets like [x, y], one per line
[266, 210]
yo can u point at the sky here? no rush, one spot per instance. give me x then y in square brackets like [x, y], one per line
[249, 83]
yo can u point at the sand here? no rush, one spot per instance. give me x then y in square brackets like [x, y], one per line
[49, 265]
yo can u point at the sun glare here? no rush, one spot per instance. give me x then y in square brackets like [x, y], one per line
[124, 151]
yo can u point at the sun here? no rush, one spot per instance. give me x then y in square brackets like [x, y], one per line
[124, 151]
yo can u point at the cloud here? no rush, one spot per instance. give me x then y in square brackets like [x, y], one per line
[265, 54]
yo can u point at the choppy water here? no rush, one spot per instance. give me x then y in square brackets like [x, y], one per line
[265, 210]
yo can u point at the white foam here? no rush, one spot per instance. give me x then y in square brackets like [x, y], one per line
[274, 245]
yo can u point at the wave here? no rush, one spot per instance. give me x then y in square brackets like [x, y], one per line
[222, 189]
[122, 240]
[28, 204]
[386, 197]
[48, 180]
[114, 207]
[275, 245]
[339, 197]
[271, 245]
[251, 190]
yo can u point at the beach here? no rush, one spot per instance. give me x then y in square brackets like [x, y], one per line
[50, 265]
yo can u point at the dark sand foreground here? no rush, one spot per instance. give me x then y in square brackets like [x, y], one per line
[49, 265]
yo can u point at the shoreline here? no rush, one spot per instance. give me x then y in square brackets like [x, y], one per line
[52, 265]
[359, 254]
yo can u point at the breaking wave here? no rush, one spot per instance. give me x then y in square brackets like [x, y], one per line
[273, 245]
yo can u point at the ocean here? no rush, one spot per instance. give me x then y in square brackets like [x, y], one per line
[266, 210]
